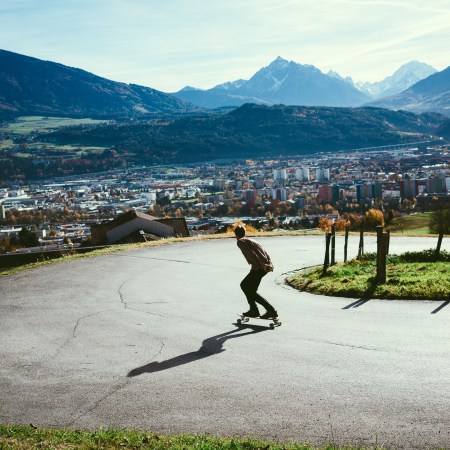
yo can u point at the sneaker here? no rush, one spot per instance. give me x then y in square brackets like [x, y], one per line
[269, 315]
[251, 313]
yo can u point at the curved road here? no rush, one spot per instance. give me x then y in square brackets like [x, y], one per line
[146, 339]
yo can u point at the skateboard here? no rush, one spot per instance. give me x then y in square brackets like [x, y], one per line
[244, 319]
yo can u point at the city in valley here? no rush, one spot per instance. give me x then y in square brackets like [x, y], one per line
[286, 193]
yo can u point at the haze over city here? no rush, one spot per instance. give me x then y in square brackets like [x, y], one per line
[168, 45]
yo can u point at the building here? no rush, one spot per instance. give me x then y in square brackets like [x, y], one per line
[435, 185]
[369, 190]
[280, 194]
[280, 174]
[302, 174]
[329, 193]
[249, 195]
[134, 226]
[323, 175]
[409, 188]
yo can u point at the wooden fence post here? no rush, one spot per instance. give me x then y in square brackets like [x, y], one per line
[381, 255]
[333, 244]
[326, 261]
[439, 243]
[361, 241]
[345, 244]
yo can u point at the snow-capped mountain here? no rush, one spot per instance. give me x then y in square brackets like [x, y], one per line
[400, 80]
[282, 81]
[430, 94]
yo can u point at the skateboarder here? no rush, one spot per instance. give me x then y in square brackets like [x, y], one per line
[261, 265]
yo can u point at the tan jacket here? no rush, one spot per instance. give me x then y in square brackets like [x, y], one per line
[255, 254]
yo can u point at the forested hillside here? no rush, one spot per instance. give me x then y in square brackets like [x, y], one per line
[255, 130]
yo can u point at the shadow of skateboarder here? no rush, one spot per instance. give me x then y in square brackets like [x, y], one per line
[210, 346]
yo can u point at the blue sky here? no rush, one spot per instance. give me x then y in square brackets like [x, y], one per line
[167, 44]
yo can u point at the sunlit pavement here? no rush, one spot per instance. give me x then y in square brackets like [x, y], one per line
[148, 339]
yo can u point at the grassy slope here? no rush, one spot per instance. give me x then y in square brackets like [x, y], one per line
[28, 437]
[417, 224]
[356, 279]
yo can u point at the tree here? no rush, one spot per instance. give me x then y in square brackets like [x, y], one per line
[440, 224]
[342, 224]
[27, 238]
[325, 224]
[374, 218]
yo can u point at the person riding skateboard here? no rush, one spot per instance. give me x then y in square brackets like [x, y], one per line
[261, 264]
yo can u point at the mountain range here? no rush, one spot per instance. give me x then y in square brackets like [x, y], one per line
[30, 86]
[290, 83]
[430, 94]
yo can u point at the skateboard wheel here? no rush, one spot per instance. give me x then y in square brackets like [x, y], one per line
[272, 325]
[239, 321]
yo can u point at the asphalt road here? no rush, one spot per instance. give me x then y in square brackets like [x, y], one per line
[147, 339]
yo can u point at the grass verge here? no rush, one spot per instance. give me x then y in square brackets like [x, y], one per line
[413, 276]
[416, 224]
[29, 437]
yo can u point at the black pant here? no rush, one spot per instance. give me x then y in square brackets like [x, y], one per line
[250, 285]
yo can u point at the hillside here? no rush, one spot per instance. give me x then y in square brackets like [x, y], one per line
[29, 86]
[256, 130]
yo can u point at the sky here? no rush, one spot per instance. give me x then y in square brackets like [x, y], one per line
[168, 44]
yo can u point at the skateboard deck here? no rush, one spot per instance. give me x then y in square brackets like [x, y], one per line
[244, 319]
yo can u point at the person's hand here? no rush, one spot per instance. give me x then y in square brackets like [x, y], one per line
[268, 268]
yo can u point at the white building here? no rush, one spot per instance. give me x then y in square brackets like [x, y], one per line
[280, 174]
[302, 174]
[323, 174]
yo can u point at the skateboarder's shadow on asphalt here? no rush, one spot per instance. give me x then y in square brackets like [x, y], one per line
[210, 346]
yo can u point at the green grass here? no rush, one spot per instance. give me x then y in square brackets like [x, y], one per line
[29, 124]
[416, 224]
[409, 276]
[29, 437]
[6, 144]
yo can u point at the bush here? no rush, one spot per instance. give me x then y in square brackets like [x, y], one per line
[425, 256]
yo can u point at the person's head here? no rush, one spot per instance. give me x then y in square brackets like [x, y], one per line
[239, 231]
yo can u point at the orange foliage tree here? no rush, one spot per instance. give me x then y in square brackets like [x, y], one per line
[374, 218]
[325, 224]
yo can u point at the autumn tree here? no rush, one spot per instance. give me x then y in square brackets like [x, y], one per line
[374, 218]
[342, 224]
[325, 224]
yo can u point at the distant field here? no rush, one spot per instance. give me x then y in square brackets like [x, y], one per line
[33, 124]
[413, 224]
[8, 143]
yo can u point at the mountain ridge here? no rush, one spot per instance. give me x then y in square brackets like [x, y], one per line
[291, 83]
[430, 94]
[282, 81]
[30, 86]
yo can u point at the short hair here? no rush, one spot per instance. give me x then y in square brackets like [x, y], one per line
[239, 231]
